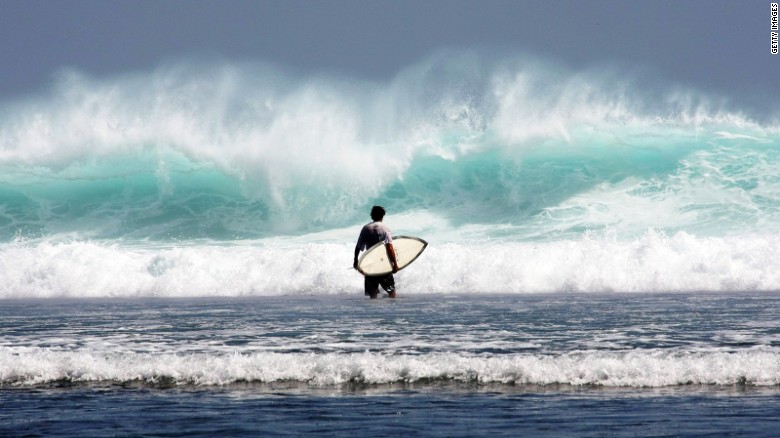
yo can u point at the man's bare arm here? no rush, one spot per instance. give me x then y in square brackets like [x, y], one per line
[357, 252]
[391, 256]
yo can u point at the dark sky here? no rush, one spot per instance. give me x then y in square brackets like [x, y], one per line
[715, 46]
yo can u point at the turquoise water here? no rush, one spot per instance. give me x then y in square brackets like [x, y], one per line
[245, 152]
[244, 180]
[705, 183]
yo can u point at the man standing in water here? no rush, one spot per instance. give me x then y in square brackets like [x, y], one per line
[370, 235]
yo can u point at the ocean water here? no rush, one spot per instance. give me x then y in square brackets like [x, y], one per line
[175, 252]
[684, 364]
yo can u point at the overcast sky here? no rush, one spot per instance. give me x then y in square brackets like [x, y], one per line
[716, 46]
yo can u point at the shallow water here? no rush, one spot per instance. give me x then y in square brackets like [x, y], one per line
[446, 410]
[437, 365]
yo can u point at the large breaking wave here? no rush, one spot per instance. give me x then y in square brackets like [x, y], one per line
[205, 180]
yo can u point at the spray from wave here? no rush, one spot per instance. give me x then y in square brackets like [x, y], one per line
[203, 180]
[239, 151]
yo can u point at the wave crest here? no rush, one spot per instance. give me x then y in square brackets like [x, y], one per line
[245, 151]
[649, 368]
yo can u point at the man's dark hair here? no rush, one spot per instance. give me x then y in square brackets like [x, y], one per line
[377, 213]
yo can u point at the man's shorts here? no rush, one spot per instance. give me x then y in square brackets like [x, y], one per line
[386, 281]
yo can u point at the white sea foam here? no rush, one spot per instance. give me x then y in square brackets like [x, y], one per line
[636, 368]
[653, 263]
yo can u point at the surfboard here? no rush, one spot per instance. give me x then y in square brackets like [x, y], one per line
[375, 262]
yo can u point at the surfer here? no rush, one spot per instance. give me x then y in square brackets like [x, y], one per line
[370, 235]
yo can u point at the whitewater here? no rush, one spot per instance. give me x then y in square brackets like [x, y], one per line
[197, 180]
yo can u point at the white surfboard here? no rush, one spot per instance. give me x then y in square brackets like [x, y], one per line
[375, 261]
